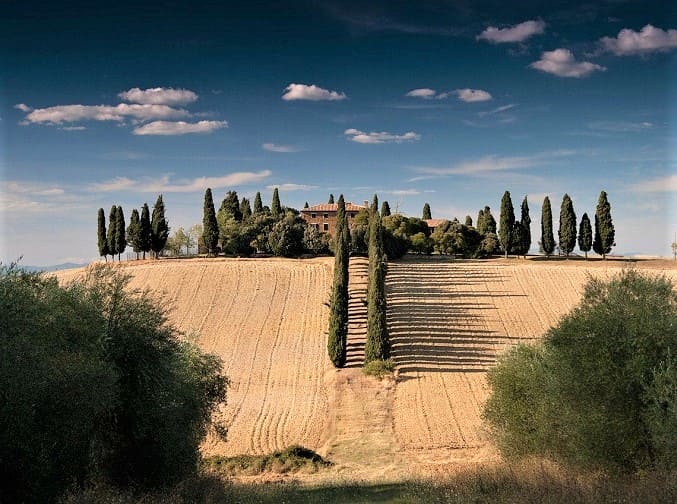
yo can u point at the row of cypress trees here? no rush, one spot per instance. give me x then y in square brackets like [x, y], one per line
[144, 233]
[338, 304]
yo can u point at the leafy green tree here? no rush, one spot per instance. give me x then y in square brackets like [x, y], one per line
[605, 234]
[585, 235]
[231, 206]
[468, 221]
[145, 230]
[120, 238]
[159, 229]
[567, 226]
[421, 244]
[547, 238]
[102, 239]
[258, 205]
[315, 241]
[599, 390]
[286, 236]
[112, 231]
[338, 307]
[275, 206]
[426, 212]
[385, 209]
[331, 199]
[377, 346]
[133, 232]
[245, 209]
[210, 228]
[481, 224]
[489, 221]
[507, 223]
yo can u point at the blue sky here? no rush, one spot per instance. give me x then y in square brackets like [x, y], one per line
[446, 102]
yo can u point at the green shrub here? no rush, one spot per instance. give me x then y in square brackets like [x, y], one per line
[599, 391]
[292, 459]
[379, 368]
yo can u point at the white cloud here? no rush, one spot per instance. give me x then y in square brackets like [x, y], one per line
[72, 128]
[380, 137]
[23, 107]
[159, 96]
[620, 126]
[401, 192]
[20, 196]
[649, 39]
[167, 128]
[561, 62]
[71, 113]
[292, 187]
[497, 110]
[425, 93]
[663, 184]
[279, 148]
[472, 95]
[312, 93]
[516, 33]
[164, 185]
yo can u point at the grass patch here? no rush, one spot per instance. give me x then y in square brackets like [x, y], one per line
[290, 460]
[379, 368]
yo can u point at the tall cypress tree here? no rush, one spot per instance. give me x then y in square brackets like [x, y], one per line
[331, 199]
[489, 221]
[231, 205]
[605, 234]
[385, 209]
[101, 238]
[507, 223]
[468, 221]
[306, 205]
[120, 238]
[567, 226]
[112, 232]
[144, 230]
[275, 206]
[378, 344]
[133, 232]
[481, 224]
[338, 309]
[210, 227]
[426, 212]
[585, 235]
[525, 221]
[159, 229]
[245, 209]
[547, 238]
[258, 204]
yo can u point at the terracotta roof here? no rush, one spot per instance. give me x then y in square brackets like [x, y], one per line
[333, 207]
[433, 223]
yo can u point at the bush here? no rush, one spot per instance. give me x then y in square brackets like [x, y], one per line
[290, 460]
[600, 389]
[96, 383]
[286, 236]
[379, 368]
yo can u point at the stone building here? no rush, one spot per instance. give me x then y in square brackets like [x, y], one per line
[323, 216]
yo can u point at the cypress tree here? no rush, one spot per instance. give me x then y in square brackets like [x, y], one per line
[133, 232]
[331, 199]
[567, 226]
[120, 237]
[585, 235]
[338, 310]
[112, 232]
[489, 221]
[210, 227]
[605, 235]
[507, 223]
[378, 344]
[102, 239]
[481, 224]
[547, 238]
[385, 209]
[159, 230]
[275, 206]
[144, 230]
[426, 212]
[525, 221]
[258, 204]
[231, 205]
[518, 242]
[245, 209]
[306, 205]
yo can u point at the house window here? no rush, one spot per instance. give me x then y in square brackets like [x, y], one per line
[326, 216]
[325, 226]
[352, 215]
[312, 215]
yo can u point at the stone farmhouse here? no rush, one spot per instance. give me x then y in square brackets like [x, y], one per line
[323, 217]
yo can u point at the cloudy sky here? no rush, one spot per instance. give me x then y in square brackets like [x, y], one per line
[447, 102]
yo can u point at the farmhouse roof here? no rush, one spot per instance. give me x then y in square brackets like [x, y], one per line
[433, 223]
[333, 207]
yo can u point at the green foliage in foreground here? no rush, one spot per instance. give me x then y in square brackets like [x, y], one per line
[601, 389]
[290, 460]
[379, 368]
[95, 384]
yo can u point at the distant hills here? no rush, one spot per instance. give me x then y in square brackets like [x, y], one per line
[53, 267]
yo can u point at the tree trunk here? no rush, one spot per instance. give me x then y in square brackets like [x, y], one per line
[586, 255]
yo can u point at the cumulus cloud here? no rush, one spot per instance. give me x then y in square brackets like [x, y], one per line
[311, 93]
[649, 39]
[164, 185]
[516, 33]
[59, 114]
[472, 95]
[561, 62]
[663, 184]
[23, 107]
[168, 128]
[292, 187]
[380, 137]
[279, 148]
[159, 96]
[425, 93]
